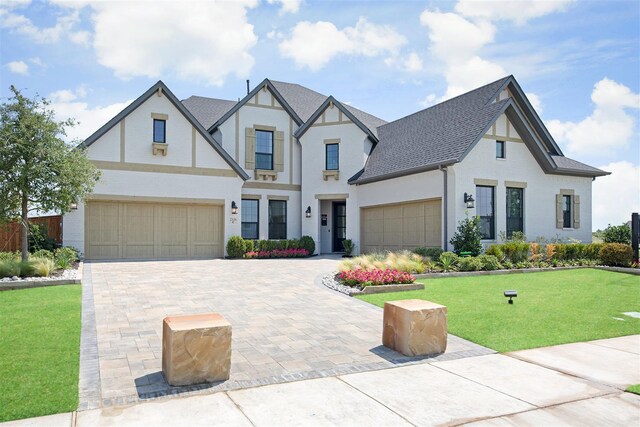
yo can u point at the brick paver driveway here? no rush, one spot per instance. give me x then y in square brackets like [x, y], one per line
[286, 325]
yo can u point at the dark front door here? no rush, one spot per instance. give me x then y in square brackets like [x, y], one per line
[339, 225]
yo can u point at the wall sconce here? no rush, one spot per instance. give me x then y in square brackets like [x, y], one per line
[234, 208]
[469, 200]
[73, 206]
[307, 213]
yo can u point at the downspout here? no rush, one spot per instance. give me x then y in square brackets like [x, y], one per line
[444, 206]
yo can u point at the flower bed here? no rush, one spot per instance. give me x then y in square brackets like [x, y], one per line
[278, 253]
[376, 277]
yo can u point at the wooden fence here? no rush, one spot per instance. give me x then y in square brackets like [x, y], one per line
[11, 239]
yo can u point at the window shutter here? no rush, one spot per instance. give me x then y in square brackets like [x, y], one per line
[249, 149]
[278, 149]
[559, 220]
[576, 211]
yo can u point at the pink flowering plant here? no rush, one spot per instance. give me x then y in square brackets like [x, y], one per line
[376, 277]
[278, 253]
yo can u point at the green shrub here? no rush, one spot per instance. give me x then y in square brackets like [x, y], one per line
[42, 253]
[42, 267]
[65, 257]
[448, 261]
[306, 242]
[26, 269]
[616, 254]
[348, 246]
[248, 246]
[235, 247]
[39, 238]
[592, 251]
[9, 268]
[490, 262]
[469, 264]
[261, 245]
[467, 237]
[516, 251]
[433, 253]
[496, 251]
[9, 256]
[617, 234]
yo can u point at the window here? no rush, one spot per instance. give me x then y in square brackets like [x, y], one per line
[332, 152]
[515, 210]
[566, 211]
[249, 212]
[500, 154]
[159, 130]
[277, 219]
[264, 149]
[485, 207]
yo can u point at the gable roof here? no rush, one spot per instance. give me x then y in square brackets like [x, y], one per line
[445, 133]
[207, 110]
[185, 112]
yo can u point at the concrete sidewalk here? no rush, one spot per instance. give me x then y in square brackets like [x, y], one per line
[495, 390]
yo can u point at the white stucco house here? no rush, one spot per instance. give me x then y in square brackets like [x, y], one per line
[180, 177]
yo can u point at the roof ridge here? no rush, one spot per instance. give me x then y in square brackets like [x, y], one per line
[208, 97]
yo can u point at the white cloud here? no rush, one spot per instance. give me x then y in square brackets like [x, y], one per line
[412, 63]
[204, 41]
[18, 67]
[535, 101]
[616, 196]
[69, 104]
[287, 6]
[313, 45]
[519, 11]
[607, 129]
[20, 24]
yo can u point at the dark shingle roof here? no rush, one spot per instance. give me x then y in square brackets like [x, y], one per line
[207, 110]
[438, 135]
[574, 165]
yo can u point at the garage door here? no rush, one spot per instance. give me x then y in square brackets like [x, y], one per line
[115, 230]
[402, 226]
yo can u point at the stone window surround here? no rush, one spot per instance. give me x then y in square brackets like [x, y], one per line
[335, 173]
[160, 147]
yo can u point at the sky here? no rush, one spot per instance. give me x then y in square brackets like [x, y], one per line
[577, 61]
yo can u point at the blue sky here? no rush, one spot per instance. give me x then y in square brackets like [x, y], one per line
[578, 61]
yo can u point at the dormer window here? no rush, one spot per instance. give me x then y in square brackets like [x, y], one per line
[332, 153]
[159, 130]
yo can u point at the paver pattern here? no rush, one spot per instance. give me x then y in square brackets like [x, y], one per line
[286, 326]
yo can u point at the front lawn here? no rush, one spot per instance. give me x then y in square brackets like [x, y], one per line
[635, 389]
[551, 308]
[39, 351]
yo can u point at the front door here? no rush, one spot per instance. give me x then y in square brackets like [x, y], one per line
[339, 225]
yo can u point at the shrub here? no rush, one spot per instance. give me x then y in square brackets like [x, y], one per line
[39, 238]
[467, 237]
[293, 244]
[592, 251]
[65, 257]
[235, 247]
[248, 246]
[306, 242]
[433, 253]
[534, 248]
[496, 251]
[617, 234]
[26, 269]
[348, 246]
[42, 253]
[516, 251]
[469, 264]
[9, 268]
[9, 256]
[364, 278]
[490, 262]
[278, 253]
[448, 261]
[616, 254]
[549, 251]
[42, 267]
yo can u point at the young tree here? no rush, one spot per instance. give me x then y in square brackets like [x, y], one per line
[617, 234]
[38, 170]
[468, 237]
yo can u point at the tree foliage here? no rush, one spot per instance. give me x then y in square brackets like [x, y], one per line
[467, 237]
[39, 171]
[617, 234]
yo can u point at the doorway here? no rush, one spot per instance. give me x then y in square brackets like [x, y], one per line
[339, 225]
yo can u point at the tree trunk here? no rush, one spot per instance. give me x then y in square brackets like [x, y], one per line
[24, 228]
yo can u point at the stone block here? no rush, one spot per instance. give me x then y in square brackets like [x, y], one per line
[415, 327]
[196, 349]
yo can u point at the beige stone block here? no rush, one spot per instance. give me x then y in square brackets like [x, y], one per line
[415, 327]
[196, 349]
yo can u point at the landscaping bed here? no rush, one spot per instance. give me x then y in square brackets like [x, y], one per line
[237, 247]
[43, 268]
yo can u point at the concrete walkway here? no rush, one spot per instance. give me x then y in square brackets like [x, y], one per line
[492, 390]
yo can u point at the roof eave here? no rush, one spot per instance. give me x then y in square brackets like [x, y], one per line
[578, 172]
[398, 174]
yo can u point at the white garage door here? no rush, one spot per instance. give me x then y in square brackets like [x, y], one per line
[116, 230]
[402, 226]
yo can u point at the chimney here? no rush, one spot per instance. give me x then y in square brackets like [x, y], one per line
[248, 87]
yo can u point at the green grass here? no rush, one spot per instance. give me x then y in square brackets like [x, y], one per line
[635, 389]
[551, 308]
[39, 351]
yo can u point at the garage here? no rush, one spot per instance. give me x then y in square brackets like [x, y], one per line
[129, 230]
[402, 226]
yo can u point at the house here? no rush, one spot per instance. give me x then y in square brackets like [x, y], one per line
[181, 177]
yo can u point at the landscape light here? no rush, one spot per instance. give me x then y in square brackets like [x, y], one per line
[510, 295]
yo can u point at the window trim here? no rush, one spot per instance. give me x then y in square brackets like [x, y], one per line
[272, 132]
[257, 222]
[164, 131]
[326, 157]
[504, 150]
[492, 229]
[286, 219]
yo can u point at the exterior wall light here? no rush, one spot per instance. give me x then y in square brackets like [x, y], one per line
[234, 208]
[73, 206]
[469, 200]
[307, 213]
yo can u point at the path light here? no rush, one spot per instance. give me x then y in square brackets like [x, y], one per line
[308, 212]
[510, 295]
[234, 208]
[469, 200]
